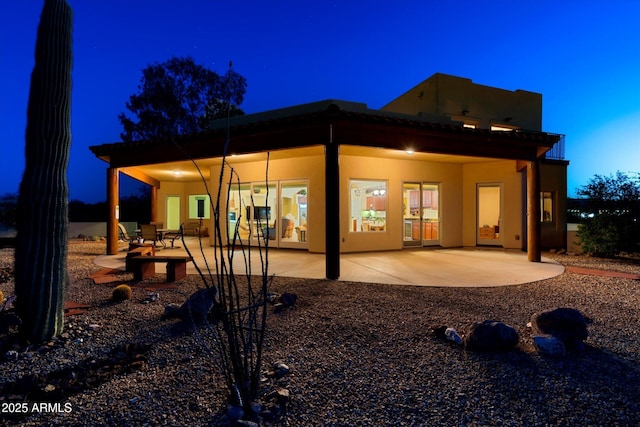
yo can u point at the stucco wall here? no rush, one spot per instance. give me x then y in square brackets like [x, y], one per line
[498, 172]
[457, 208]
[395, 172]
[181, 189]
[553, 178]
[448, 96]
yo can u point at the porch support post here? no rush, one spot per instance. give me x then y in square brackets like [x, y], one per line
[332, 208]
[112, 206]
[533, 211]
[154, 203]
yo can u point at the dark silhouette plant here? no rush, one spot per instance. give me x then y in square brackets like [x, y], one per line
[238, 317]
[611, 222]
[41, 247]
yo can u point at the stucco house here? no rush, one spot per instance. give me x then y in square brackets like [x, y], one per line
[449, 163]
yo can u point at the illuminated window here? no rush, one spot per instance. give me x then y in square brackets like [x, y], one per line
[199, 206]
[501, 128]
[546, 206]
[468, 125]
[368, 206]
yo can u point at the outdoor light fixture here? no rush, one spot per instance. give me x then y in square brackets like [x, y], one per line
[177, 173]
[409, 151]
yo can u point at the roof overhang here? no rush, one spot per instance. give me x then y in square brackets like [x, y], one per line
[321, 123]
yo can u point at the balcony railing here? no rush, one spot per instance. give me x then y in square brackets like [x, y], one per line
[557, 151]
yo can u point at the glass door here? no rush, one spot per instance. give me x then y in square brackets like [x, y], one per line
[293, 215]
[421, 214]
[238, 227]
[262, 213]
[489, 225]
[430, 214]
[411, 214]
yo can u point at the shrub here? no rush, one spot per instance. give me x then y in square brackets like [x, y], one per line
[121, 293]
[607, 235]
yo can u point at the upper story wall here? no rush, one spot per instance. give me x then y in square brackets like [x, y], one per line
[460, 99]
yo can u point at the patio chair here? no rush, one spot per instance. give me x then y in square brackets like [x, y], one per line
[124, 235]
[150, 232]
[173, 235]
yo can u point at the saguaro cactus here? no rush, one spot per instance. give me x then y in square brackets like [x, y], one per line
[41, 249]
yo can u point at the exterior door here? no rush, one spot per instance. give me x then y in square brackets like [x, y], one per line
[489, 221]
[421, 214]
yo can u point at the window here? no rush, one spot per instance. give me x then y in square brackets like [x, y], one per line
[368, 205]
[546, 206]
[199, 206]
[501, 128]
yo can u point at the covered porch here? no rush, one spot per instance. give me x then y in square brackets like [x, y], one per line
[332, 126]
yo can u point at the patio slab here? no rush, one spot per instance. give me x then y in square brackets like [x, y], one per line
[464, 267]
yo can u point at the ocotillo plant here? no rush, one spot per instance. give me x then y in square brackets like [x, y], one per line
[239, 313]
[41, 248]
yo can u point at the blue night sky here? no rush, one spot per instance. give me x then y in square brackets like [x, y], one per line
[581, 55]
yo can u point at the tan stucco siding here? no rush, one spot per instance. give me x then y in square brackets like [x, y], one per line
[460, 99]
[499, 172]
[180, 189]
[457, 203]
[553, 178]
[395, 172]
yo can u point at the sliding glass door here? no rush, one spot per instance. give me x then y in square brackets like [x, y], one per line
[277, 212]
[421, 214]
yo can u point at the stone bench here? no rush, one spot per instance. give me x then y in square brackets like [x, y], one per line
[143, 266]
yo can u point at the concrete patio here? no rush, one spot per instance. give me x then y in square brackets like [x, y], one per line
[460, 267]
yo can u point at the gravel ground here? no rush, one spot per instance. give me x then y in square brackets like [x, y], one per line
[360, 354]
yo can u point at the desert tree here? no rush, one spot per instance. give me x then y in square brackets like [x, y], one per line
[42, 223]
[179, 97]
[611, 219]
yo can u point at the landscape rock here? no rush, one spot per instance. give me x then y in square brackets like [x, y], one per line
[171, 310]
[549, 345]
[288, 299]
[452, 335]
[566, 324]
[196, 308]
[491, 335]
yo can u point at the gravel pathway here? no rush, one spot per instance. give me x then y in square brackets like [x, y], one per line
[360, 354]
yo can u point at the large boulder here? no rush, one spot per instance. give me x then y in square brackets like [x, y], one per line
[566, 324]
[196, 308]
[491, 335]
